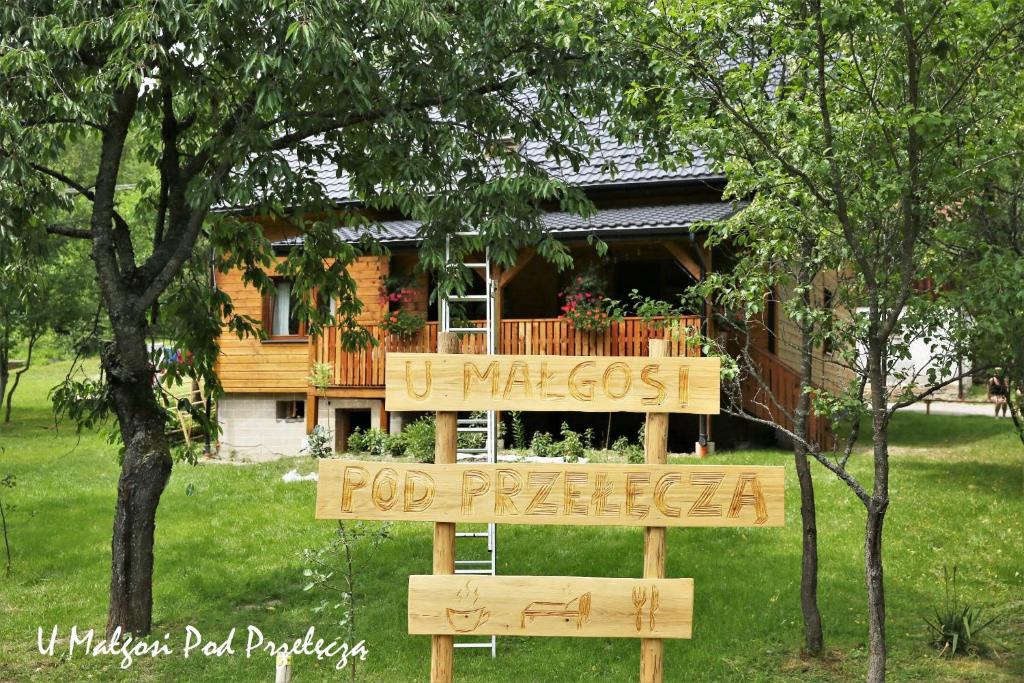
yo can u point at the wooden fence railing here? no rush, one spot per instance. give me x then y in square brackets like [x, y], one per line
[629, 337]
[781, 388]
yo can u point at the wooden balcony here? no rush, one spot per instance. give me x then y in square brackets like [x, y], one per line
[775, 397]
[629, 337]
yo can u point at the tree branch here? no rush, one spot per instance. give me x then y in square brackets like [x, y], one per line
[69, 231]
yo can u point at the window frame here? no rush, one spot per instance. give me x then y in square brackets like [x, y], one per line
[268, 312]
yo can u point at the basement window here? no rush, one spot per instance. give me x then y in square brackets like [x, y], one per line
[291, 410]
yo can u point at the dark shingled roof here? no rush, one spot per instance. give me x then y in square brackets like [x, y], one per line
[618, 221]
[639, 220]
[592, 174]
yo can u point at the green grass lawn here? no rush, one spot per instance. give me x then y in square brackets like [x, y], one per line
[229, 555]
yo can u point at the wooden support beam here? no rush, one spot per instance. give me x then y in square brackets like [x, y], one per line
[710, 332]
[312, 404]
[683, 258]
[652, 650]
[312, 410]
[442, 647]
[524, 258]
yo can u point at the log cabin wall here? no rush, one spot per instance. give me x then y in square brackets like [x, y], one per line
[252, 365]
[787, 337]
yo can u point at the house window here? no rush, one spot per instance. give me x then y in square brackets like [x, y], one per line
[279, 311]
[291, 410]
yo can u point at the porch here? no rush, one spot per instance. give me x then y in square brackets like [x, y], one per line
[361, 373]
[364, 369]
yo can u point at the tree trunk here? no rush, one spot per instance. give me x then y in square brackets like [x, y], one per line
[145, 470]
[876, 509]
[4, 375]
[876, 596]
[813, 633]
[814, 637]
[17, 378]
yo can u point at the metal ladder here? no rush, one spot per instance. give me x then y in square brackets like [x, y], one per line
[486, 425]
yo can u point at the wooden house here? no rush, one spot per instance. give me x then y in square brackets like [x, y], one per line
[651, 220]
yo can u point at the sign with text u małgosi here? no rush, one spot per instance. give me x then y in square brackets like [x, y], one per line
[464, 605]
[454, 382]
[590, 494]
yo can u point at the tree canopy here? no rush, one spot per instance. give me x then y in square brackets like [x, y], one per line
[859, 130]
[421, 107]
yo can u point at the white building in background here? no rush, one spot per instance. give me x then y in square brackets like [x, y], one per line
[927, 355]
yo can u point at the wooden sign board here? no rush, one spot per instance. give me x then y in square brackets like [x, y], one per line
[433, 381]
[590, 494]
[464, 605]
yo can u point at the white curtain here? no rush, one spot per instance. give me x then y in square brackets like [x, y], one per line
[282, 308]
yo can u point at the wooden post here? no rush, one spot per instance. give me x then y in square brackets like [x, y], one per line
[652, 650]
[312, 410]
[655, 453]
[442, 647]
[312, 400]
[283, 672]
[710, 333]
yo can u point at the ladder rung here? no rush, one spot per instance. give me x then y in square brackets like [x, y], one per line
[472, 534]
[485, 563]
[468, 297]
[471, 451]
[475, 265]
[467, 430]
[472, 420]
[468, 329]
[488, 572]
[467, 233]
[488, 645]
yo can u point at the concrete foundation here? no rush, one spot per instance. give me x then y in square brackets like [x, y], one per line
[254, 428]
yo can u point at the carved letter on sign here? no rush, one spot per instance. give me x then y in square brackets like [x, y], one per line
[592, 494]
[419, 381]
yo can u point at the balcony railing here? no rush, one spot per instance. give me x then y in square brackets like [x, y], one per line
[775, 397]
[549, 336]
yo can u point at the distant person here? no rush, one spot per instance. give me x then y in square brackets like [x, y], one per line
[999, 391]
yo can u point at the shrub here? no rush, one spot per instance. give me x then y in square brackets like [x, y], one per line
[395, 445]
[543, 445]
[621, 445]
[955, 627]
[571, 446]
[319, 443]
[518, 429]
[372, 441]
[419, 439]
[633, 453]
